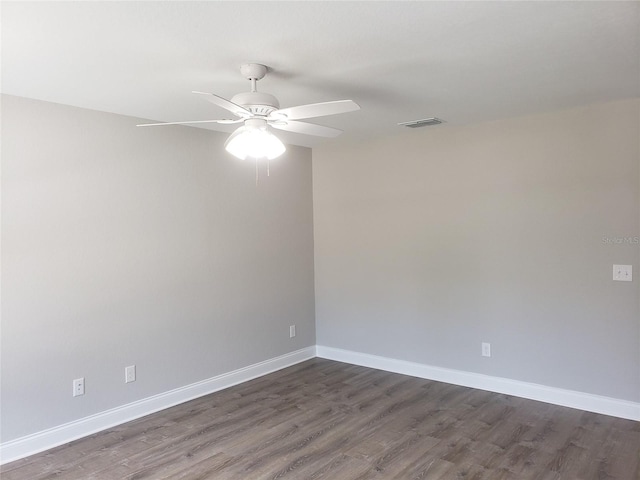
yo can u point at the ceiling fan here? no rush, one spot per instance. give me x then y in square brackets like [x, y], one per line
[258, 111]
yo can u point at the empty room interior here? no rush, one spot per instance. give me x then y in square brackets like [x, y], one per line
[320, 240]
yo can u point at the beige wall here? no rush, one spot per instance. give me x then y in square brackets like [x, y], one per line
[435, 240]
[151, 247]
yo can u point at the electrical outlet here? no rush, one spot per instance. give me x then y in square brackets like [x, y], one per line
[486, 349]
[78, 387]
[130, 374]
[623, 273]
[292, 331]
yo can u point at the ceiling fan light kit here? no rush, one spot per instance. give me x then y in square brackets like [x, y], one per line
[259, 111]
[254, 140]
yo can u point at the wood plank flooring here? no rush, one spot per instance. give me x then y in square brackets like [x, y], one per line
[329, 420]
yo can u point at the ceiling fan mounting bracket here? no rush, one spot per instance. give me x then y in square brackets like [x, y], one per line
[253, 71]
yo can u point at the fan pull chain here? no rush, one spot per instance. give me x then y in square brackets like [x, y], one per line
[256, 171]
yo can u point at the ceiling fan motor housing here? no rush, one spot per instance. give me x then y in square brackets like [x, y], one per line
[258, 103]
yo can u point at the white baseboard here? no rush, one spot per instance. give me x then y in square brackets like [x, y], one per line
[46, 439]
[53, 437]
[558, 396]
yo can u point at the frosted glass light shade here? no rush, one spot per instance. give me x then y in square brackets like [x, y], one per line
[253, 140]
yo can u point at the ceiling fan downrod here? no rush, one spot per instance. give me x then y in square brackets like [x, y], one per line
[253, 72]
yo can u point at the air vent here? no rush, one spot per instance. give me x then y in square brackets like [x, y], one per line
[425, 122]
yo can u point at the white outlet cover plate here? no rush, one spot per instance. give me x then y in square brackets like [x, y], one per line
[623, 273]
[78, 387]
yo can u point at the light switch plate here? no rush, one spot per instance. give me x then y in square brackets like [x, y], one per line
[622, 273]
[130, 374]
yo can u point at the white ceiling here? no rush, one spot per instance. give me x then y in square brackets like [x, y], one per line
[461, 61]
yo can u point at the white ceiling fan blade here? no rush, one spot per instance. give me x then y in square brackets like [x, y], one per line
[306, 128]
[223, 121]
[315, 110]
[226, 104]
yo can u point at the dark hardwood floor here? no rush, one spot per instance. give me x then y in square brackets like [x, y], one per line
[329, 420]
